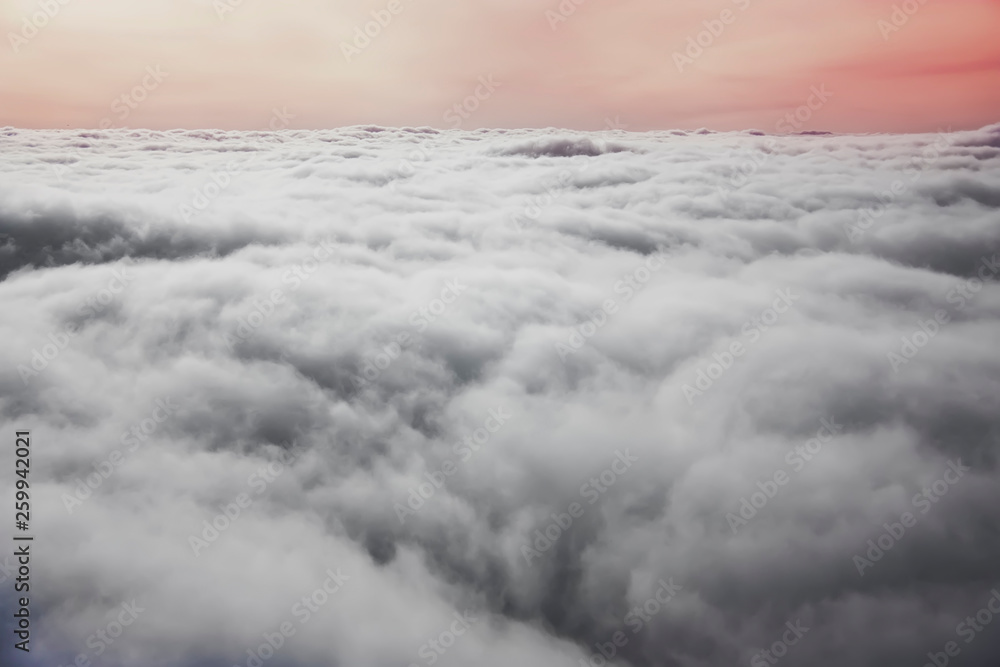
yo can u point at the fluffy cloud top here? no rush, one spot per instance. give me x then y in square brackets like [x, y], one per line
[667, 396]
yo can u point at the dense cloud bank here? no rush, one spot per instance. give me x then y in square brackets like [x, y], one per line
[505, 397]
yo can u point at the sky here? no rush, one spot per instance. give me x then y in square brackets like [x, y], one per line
[591, 65]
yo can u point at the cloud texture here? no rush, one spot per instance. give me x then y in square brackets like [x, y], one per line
[537, 378]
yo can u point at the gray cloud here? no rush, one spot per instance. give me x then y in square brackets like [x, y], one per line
[305, 310]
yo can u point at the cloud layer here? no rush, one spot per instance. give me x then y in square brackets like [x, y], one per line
[640, 395]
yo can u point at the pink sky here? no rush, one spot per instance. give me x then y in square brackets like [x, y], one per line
[609, 59]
